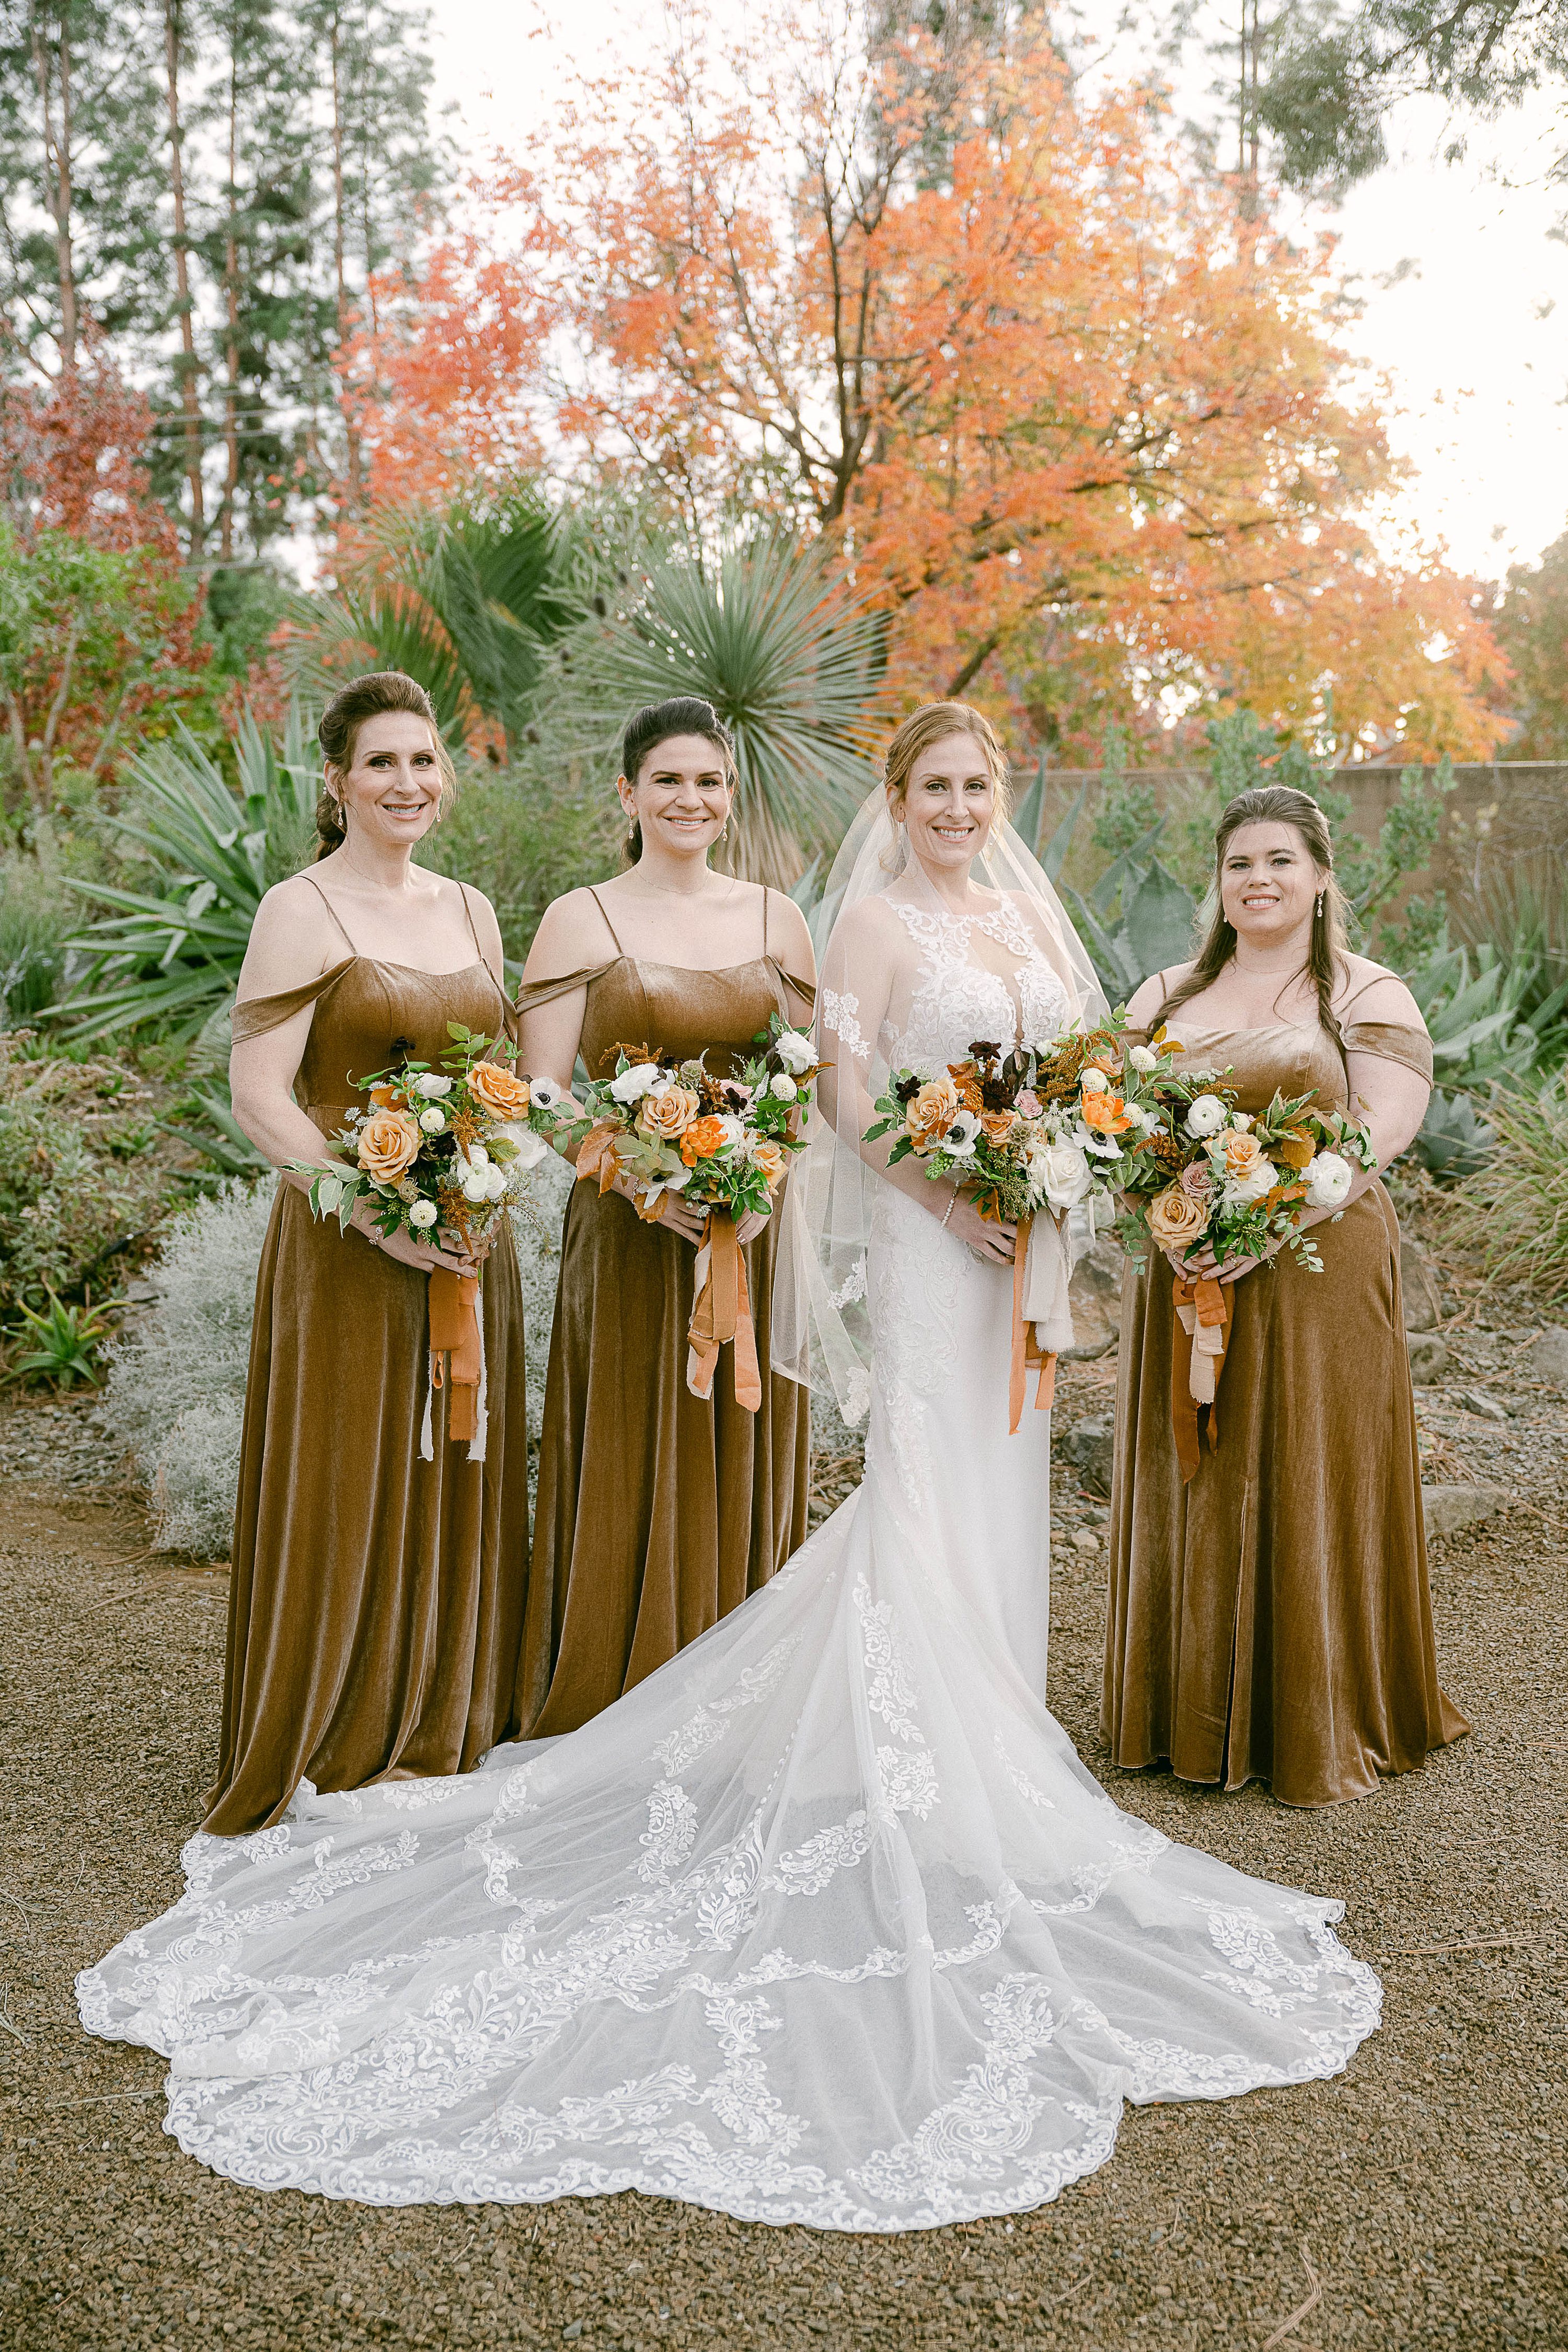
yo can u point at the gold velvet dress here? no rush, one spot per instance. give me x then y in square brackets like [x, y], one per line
[657, 1511]
[375, 1608]
[1272, 1619]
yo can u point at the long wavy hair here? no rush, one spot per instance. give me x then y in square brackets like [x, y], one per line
[1275, 805]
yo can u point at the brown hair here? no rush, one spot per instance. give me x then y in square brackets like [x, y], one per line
[370, 697]
[933, 722]
[1274, 805]
[655, 723]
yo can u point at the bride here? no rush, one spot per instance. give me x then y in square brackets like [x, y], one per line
[824, 1922]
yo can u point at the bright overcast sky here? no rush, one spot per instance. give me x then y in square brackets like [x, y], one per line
[1474, 337]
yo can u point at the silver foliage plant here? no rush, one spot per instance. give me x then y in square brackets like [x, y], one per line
[175, 1394]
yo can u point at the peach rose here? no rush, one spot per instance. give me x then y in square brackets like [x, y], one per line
[931, 1112]
[1243, 1155]
[998, 1125]
[666, 1116]
[1175, 1219]
[770, 1158]
[388, 1143]
[702, 1139]
[503, 1094]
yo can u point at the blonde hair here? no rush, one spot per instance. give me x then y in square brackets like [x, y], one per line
[934, 722]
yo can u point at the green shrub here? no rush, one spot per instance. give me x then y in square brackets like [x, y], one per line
[1515, 1212]
[523, 840]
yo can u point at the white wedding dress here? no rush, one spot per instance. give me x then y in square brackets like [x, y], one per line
[824, 1923]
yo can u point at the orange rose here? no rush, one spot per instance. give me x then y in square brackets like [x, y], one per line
[1175, 1219]
[931, 1112]
[1242, 1153]
[769, 1157]
[1105, 1113]
[388, 1143]
[503, 1094]
[998, 1125]
[666, 1116]
[702, 1139]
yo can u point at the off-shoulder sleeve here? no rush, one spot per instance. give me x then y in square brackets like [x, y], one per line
[1392, 1040]
[804, 989]
[260, 1014]
[534, 993]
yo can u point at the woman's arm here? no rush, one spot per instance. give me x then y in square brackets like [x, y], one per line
[290, 944]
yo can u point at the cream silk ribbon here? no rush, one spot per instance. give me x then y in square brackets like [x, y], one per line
[1042, 1311]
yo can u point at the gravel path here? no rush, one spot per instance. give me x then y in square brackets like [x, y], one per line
[1428, 2190]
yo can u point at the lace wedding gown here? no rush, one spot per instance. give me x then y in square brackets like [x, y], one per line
[823, 1923]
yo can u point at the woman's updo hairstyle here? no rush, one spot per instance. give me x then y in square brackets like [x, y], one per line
[655, 723]
[1275, 805]
[933, 723]
[379, 691]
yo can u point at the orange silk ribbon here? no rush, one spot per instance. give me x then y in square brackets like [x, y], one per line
[722, 1310]
[455, 1347]
[1197, 1359]
[1027, 1353]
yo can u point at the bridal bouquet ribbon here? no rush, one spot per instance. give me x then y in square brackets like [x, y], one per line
[1026, 1135]
[667, 1124]
[434, 1151]
[1236, 1184]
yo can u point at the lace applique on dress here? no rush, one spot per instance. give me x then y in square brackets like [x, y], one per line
[839, 1011]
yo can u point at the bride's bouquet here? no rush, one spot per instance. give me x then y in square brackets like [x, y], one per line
[1028, 1135]
[434, 1151]
[670, 1125]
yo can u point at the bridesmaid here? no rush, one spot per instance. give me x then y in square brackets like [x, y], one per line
[657, 1511]
[376, 1602]
[1271, 1619]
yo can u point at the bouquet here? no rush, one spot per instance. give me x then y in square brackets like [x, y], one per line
[1233, 1182]
[434, 1153]
[1027, 1136]
[671, 1126]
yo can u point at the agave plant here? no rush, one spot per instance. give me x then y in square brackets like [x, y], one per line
[172, 954]
[61, 1344]
[468, 600]
[791, 661]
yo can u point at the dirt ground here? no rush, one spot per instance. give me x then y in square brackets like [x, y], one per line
[1421, 2200]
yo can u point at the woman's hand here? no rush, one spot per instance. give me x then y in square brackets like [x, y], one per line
[1203, 1265]
[677, 1213]
[423, 1257]
[754, 1222]
[986, 1238]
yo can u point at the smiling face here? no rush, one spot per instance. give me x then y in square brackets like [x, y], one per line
[1268, 880]
[390, 792]
[948, 804]
[681, 796]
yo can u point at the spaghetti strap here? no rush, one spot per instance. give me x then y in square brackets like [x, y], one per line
[479, 947]
[765, 922]
[331, 909]
[608, 925]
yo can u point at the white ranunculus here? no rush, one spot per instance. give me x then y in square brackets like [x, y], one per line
[632, 1084]
[477, 1155]
[495, 1182]
[1141, 1058]
[796, 1052]
[531, 1148]
[1060, 1173]
[476, 1187]
[433, 1120]
[734, 1131]
[330, 1193]
[963, 1136]
[1327, 1179]
[1239, 1191]
[423, 1213]
[1205, 1115]
[544, 1094]
[1095, 1082]
[432, 1087]
[784, 1088]
[1144, 1121]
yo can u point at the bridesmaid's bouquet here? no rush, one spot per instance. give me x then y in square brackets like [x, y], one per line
[434, 1149]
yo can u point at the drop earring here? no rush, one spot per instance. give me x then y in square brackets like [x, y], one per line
[1320, 906]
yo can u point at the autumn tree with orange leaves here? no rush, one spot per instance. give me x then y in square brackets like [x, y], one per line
[1083, 426]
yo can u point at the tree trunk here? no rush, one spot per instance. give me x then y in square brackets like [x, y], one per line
[188, 395]
[339, 247]
[61, 195]
[231, 306]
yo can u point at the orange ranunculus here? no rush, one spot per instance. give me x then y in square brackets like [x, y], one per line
[998, 1125]
[770, 1158]
[966, 1086]
[1243, 1154]
[388, 1143]
[931, 1112]
[503, 1094]
[382, 1097]
[1105, 1113]
[668, 1115]
[702, 1139]
[1175, 1219]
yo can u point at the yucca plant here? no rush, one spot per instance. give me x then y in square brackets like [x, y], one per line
[171, 955]
[61, 1344]
[791, 660]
